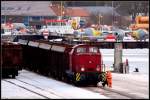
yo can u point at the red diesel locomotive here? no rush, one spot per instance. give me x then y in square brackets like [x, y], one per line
[80, 63]
[85, 63]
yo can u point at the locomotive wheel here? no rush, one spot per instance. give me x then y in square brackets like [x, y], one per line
[76, 83]
[95, 84]
[104, 83]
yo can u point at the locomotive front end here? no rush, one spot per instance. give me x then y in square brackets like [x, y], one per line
[87, 64]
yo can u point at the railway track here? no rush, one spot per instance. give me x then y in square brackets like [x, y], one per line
[45, 97]
[33, 89]
[37, 87]
[111, 93]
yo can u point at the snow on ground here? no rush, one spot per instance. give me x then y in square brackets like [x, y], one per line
[138, 77]
[10, 91]
[63, 89]
[49, 85]
[134, 84]
[137, 58]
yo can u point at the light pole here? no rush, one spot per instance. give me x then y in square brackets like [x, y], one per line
[5, 12]
[61, 11]
[112, 13]
[100, 18]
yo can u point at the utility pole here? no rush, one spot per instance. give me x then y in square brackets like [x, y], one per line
[61, 10]
[60, 18]
[99, 18]
[112, 13]
[118, 65]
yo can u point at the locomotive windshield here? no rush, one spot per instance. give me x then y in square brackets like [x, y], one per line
[87, 50]
[81, 50]
[93, 49]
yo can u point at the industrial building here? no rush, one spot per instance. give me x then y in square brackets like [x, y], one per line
[33, 13]
[28, 12]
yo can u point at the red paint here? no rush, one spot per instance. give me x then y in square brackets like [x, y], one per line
[90, 61]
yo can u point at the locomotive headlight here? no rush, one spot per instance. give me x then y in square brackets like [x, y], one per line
[97, 68]
[82, 69]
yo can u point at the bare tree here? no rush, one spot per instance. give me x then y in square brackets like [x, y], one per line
[133, 8]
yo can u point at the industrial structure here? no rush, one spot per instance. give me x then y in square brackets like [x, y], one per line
[33, 13]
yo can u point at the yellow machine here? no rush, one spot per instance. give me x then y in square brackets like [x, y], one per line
[141, 22]
[74, 24]
[140, 28]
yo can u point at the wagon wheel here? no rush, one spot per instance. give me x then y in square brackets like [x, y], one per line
[54, 74]
[16, 72]
[34, 69]
[13, 75]
[38, 71]
[49, 74]
[60, 76]
[46, 72]
[66, 79]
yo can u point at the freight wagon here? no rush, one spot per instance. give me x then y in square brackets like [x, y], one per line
[11, 58]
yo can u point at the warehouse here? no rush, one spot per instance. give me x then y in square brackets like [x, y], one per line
[30, 13]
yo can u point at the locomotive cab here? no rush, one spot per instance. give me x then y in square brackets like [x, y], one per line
[85, 61]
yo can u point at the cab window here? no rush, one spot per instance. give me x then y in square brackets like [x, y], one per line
[81, 50]
[93, 49]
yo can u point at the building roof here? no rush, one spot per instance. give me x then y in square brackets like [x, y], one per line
[26, 8]
[77, 11]
[101, 10]
[43, 8]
